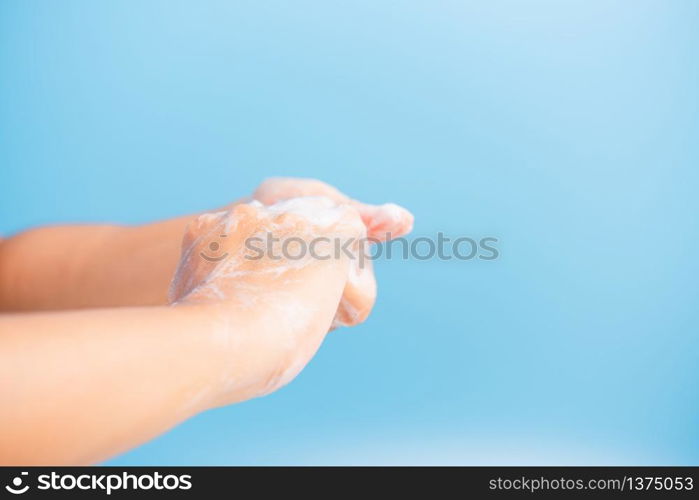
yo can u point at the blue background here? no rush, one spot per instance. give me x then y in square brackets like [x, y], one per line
[569, 130]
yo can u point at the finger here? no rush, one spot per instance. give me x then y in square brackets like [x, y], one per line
[358, 297]
[384, 222]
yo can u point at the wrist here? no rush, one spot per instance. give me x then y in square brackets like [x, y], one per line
[247, 355]
[199, 332]
[233, 358]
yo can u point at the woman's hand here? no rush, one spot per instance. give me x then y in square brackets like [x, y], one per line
[87, 266]
[274, 304]
[383, 222]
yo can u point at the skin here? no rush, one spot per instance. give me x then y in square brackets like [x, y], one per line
[81, 385]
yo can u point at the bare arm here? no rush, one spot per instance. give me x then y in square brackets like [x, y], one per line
[80, 266]
[80, 386]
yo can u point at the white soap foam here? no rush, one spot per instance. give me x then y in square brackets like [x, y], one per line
[318, 210]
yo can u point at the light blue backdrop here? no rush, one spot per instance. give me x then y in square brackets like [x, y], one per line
[569, 130]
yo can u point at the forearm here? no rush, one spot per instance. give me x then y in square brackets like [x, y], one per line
[79, 386]
[66, 267]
